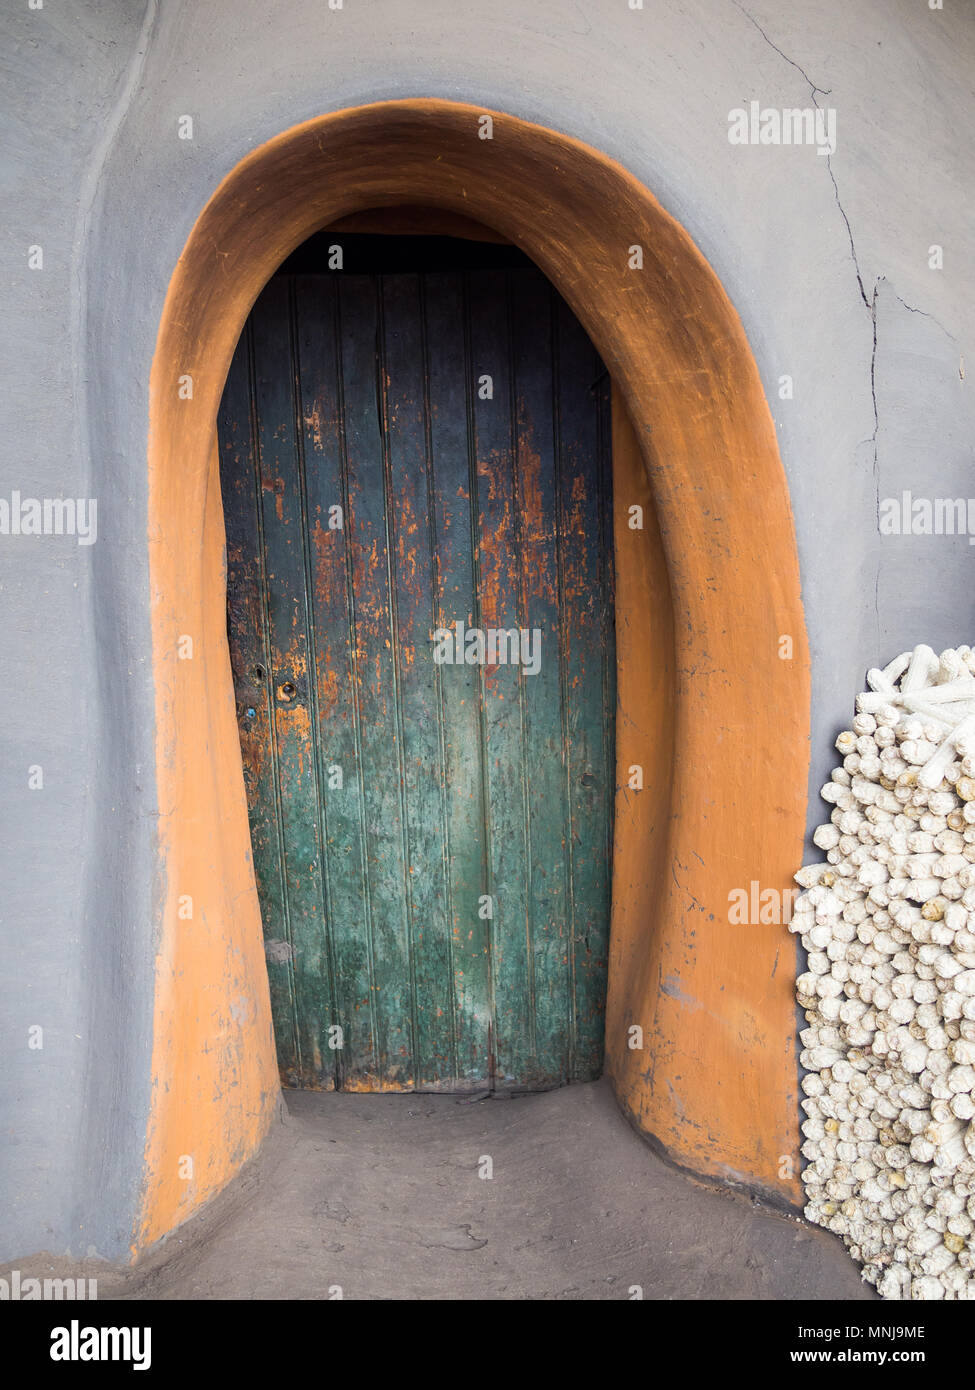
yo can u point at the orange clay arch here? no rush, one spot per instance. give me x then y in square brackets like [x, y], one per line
[707, 706]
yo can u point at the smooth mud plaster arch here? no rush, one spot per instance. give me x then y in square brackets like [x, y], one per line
[708, 706]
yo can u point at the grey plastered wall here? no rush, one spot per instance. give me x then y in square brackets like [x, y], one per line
[825, 259]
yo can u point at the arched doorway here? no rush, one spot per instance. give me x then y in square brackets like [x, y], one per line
[700, 1020]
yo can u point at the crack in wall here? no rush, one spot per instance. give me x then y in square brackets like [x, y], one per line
[924, 314]
[824, 91]
[869, 303]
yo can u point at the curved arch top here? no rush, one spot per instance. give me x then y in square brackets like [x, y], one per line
[715, 1080]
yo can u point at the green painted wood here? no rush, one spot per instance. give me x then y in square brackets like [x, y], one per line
[284, 529]
[588, 672]
[450, 379]
[388, 1062]
[498, 604]
[335, 712]
[250, 655]
[539, 552]
[409, 490]
[431, 841]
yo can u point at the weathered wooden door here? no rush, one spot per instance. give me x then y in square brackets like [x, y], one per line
[416, 479]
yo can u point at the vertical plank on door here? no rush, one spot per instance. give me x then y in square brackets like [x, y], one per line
[537, 488]
[284, 524]
[498, 605]
[450, 389]
[392, 1065]
[335, 670]
[588, 673]
[411, 555]
[250, 657]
